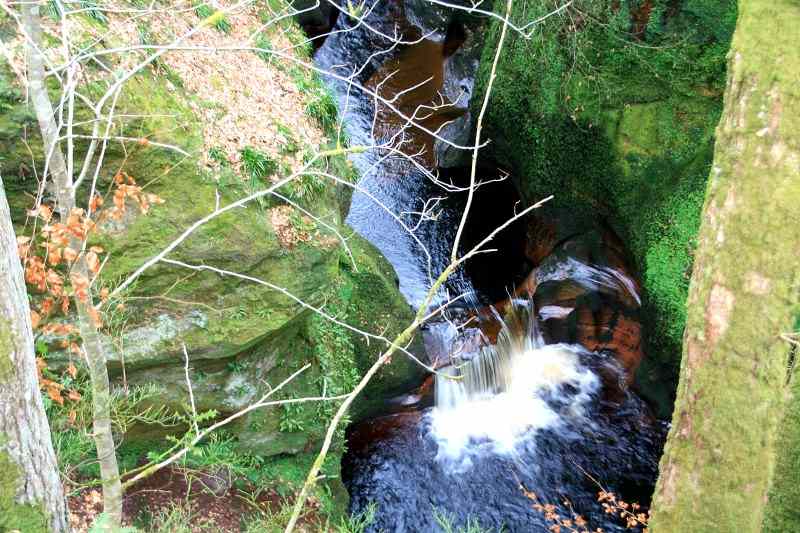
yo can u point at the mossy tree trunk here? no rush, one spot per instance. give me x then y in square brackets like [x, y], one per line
[31, 497]
[721, 451]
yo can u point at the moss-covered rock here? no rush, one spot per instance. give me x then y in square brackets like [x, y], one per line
[614, 108]
[242, 337]
[366, 298]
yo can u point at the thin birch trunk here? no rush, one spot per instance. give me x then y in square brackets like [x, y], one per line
[65, 193]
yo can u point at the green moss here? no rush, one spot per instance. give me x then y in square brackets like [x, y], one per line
[376, 306]
[288, 473]
[6, 347]
[19, 144]
[614, 114]
[15, 516]
[783, 510]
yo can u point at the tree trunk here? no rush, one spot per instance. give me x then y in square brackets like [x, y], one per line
[65, 198]
[31, 497]
[720, 454]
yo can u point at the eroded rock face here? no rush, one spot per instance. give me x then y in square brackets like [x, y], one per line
[586, 294]
[460, 69]
[583, 287]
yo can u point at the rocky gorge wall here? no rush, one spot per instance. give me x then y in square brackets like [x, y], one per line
[614, 106]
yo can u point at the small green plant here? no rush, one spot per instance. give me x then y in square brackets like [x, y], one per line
[445, 521]
[257, 165]
[239, 312]
[304, 188]
[322, 107]
[218, 155]
[291, 418]
[255, 425]
[236, 366]
[145, 36]
[88, 7]
[176, 518]
[76, 452]
[358, 523]
[264, 48]
[241, 390]
[290, 145]
[205, 11]
[298, 38]
[264, 313]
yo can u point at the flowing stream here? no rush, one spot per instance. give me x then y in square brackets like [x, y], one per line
[532, 401]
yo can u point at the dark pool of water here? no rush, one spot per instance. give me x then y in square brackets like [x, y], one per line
[393, 463]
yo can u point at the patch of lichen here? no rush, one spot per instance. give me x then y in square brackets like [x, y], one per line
[7, 370]
[13, 515]
[614, 110]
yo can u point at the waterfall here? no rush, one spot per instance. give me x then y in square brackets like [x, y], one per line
[489, 372]
[505, 392]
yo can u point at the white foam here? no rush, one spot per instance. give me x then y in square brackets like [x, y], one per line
[470, 421]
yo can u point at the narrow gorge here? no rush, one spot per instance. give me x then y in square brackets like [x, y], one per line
[388, 266]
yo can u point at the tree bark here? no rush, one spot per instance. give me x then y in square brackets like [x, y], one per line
[31, 496]
[720, 454]
[65, 204]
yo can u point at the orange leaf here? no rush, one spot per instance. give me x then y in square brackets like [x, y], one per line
[54, 278]
[70, 255]
[74, 395]
[47, 306]
[55, 395]
[54, 256]
[95, 314]
[36, 318]
[72, 370]
[154, 198]
[96, 203]
[42, 211]
[93, 262]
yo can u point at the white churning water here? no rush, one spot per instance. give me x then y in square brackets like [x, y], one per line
[490, 402]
